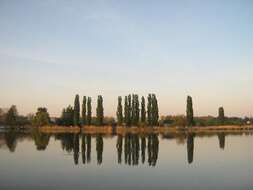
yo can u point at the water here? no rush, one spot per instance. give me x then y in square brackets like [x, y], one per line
[173, 161]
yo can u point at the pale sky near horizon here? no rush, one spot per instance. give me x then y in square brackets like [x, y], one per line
[52, 49]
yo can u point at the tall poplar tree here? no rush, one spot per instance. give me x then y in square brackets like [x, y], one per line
[84, 111]
[129, 110]
[189, 112]
[135, 110]
[221, 115]
[149, 110]
[119, 111]
[143, 110]
[89, 108]
[133, 114]
[76, 111]
[100, 110]
[126, 110]
[155, 111]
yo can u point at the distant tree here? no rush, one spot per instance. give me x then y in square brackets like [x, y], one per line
[135, 110]
[221, 115]
[109, 121]
[126, 118]
[149, 110]
[119, 111]
[89, 113]
[143, 110]
[67, 116]
[41, 118]
[84, 111]
[155, 111]
[189, 112]
[76, 111]
[129, 110]
[11, 116]
[100, 110]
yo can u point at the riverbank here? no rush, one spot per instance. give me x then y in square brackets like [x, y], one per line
[161, 130]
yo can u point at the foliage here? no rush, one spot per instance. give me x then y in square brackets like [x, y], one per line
[109, 121]
[119, 112]
[143, 110]
[178, 120]
[41, 118]
[152, 110]
[67, 116]
[11, 116]
[77, 111]
[189, 112]
[221, 115]
[127, 111]
[100, 110]
[89, 113]
[84, 111]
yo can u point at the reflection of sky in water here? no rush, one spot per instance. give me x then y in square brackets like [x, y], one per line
[212, 166]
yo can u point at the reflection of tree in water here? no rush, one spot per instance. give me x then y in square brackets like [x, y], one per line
[221, 137]
[76, 148]
[11, 140]
[153, 149]
[119, 147]
[67, 141]
[132, 148]
[143, 149]
[41, 140]
[86, 148]
[83, 149]
[99, 149]
[190, 147]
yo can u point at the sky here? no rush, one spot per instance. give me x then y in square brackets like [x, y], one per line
[51, 50]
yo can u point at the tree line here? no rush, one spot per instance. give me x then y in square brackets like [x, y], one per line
[134, 112]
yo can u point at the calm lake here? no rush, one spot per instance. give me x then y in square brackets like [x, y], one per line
[173, 161]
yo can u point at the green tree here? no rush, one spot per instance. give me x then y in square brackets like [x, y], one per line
[126, 111]
[135, 109]
[76, 111]
[11, 116]
[149, 110]
[100, 110]
[89, 113]
[133, 114]
[221, 116]
[119, 111]
[41, 118]
[143, 110]
[84, 111]
[129, 109]
[67, 116]
[189, 112]
[155, 111]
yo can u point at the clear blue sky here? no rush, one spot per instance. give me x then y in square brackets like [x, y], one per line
[50, 50]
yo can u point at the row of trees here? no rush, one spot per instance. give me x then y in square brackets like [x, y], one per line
[72, 116]
[133, 115]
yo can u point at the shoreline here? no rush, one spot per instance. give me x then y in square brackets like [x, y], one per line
[146, 130]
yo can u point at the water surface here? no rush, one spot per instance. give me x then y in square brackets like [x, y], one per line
[173, 161]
